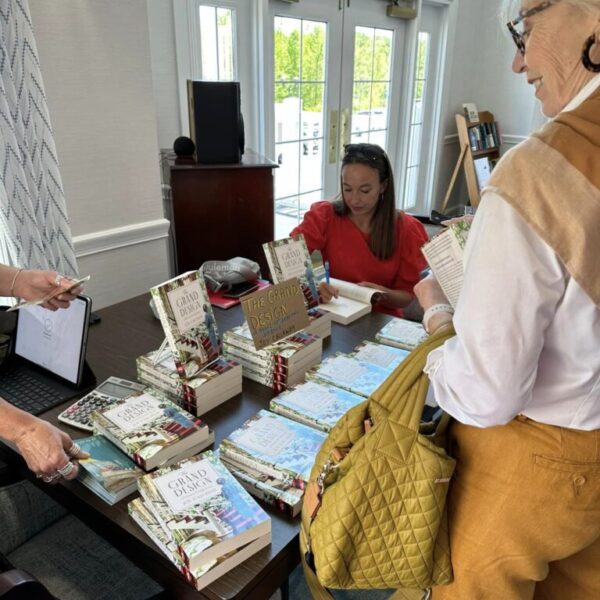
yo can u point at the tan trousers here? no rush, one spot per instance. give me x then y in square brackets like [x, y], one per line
[524, 510]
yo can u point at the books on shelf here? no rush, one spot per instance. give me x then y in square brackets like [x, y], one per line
[353, 302]
[319, 405]
[401, 333]
[199, 393]
[289, 257]
[275, 446]
[107, 472]
[484, 136]
[188, 321]
[361, 378]
[272, 491]
[204, 511]
[483, 170]
[278, 365]
[386, 357]
[152, 430]
[444, 254]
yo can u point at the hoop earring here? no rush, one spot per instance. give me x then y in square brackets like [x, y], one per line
[585, 55]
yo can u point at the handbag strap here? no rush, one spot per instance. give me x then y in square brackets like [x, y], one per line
[409, 382]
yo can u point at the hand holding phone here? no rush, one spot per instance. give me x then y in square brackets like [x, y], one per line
[53, 294]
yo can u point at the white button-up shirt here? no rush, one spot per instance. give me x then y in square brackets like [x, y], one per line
[528, 337]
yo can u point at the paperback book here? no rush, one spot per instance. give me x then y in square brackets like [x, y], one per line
[289, 257]
[107, 472]
[274, 446]
[354, 301]
[386, 357]
[445, 255]
[207, 573]
[401, 333]
[345, 372]
[319, 405]
[187, 319]
[203, 509]
[272, 491]
[207, 388]
[152, 430]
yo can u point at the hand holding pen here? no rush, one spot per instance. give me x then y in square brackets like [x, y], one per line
[326, 290]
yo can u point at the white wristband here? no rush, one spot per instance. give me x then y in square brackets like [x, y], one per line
[434, 309]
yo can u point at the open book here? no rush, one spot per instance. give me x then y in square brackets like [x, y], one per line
[444, 253]
[353, 302]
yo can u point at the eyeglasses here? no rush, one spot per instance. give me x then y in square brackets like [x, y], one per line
[519, 38]
[369, 151]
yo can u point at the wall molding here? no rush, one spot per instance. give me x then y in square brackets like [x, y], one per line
[120, 237]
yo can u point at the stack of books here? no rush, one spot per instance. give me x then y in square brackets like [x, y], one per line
[401, 333]
[319, 405]
[272, 457]
[279, 365]
[198, 393]
[152, 430]
[200, 517]
[319, 322]
[107, 472]
[343, 371]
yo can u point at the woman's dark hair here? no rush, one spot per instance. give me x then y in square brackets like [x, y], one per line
[383, 221]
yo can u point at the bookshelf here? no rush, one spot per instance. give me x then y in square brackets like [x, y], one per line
[482, 140]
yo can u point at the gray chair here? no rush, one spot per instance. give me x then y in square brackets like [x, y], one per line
[49, 554]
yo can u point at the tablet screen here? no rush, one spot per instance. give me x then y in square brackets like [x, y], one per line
[55, 340]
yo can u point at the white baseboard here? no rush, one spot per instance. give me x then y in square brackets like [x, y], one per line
[120, 237]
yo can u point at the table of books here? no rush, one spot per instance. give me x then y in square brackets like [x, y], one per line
[128, 330]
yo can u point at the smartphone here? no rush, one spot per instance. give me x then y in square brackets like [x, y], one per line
[241, 289]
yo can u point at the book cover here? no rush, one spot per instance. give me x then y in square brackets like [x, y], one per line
[203, 508]
[401, 333]
[386, 357]
[150, 429]
[187, 319]
[345, 372]
[289, 257]
[318, 405]
[483, 170]
[275, 446]
[270, 490]
[444, 254]
[107, 472]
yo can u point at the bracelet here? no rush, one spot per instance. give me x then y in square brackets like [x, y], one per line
[434, 309]
[14, 279]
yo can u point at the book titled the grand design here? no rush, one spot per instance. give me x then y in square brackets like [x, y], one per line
[151, 429]
[187, 319]
[203, 508]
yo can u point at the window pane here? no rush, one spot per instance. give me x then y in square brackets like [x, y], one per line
[363, 53]
[313, 51]
[217, 43]
[208, 43]
[287, 112]
[286, 38]
[225, 43]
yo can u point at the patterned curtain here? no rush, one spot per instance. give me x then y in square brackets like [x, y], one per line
[34, 227]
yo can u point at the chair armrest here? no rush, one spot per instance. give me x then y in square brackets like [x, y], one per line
[16, 584]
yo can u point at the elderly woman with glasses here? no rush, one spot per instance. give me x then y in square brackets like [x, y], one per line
[362, 236]
[522, 375]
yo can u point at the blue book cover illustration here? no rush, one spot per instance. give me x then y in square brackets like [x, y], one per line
[276, 446]
[345, 372]
[386, 357]
[319, 405]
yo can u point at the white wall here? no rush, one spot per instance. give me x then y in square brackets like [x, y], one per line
[95, 60]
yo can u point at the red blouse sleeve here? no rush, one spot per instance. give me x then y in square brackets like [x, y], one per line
[412, 236]
[315, 225]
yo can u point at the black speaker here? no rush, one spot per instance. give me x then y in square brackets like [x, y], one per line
[216, 124]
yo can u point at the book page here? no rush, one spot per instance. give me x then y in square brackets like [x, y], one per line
[354, 291]
[444, 253]
[343, 306]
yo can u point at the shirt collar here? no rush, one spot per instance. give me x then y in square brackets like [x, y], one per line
[584, 92]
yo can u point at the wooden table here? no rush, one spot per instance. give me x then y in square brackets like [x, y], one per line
[127, 330]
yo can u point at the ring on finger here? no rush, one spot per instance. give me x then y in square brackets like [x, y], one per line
[66, 470]
[74, 450]
[57, 280]
[51, 478]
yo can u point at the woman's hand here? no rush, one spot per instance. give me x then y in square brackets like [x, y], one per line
[35, 285]
[327, 292]
[382, 297]
[429, 292]
[46, 449]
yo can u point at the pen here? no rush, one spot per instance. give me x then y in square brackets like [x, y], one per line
[327, 272]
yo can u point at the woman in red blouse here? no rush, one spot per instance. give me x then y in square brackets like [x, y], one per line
[362, 235]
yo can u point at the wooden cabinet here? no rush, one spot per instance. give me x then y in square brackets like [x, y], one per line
[221, 211]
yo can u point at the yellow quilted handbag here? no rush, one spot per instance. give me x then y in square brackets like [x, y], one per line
[374, 510]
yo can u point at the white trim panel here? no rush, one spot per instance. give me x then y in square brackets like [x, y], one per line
[120, 237]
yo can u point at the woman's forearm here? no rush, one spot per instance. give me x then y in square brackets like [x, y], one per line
[7, 279]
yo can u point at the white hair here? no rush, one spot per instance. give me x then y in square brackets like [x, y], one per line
[510, 8]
